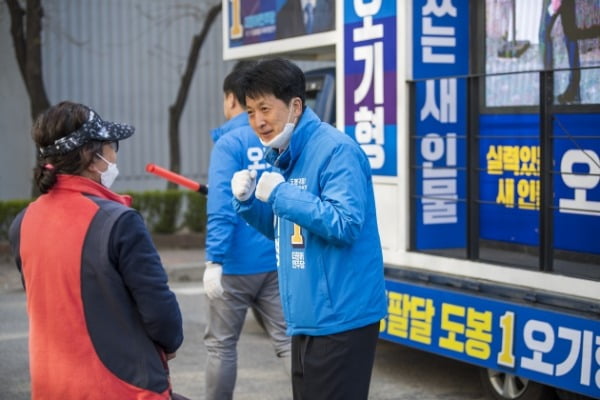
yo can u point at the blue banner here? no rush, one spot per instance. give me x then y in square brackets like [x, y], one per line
[509, 162]
[509, 178]
[370, 81]
[549, 347]
[577, 187]
[440, 154]
[440, 57]
[440, 38]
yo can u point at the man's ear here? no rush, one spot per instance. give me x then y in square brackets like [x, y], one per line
[231, 101]
[297, 105]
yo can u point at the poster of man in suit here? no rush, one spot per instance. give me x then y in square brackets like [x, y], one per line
[303, 17]
[259, 21]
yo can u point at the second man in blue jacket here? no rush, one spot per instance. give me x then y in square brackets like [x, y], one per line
[241, 269]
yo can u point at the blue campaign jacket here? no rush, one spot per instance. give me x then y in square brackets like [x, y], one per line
[230, 241]
[329, 252]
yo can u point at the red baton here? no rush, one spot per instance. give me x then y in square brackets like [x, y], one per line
[176, 178]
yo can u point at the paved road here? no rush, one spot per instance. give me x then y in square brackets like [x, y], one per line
[400, 373]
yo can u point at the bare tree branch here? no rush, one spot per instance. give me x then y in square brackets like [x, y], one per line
[27, 42]
[176, 110]
[33, 71]
[17, 14]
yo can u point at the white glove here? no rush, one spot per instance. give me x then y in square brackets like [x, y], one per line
[267, 182]
[212, 280]
[243, 184]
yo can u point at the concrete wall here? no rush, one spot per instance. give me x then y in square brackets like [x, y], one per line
[124, 58]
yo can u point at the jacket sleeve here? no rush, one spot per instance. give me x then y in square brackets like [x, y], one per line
[14, 238]
[132, 250]
[221, 217]
[337, 212]
[257, 214]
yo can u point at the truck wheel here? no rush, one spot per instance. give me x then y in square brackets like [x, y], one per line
[501, 385]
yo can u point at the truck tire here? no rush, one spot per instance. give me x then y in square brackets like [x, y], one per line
[501, 385]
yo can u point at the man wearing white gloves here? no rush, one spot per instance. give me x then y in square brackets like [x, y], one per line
[320, 210]
[241, 269]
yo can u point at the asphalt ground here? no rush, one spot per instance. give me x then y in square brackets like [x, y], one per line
[400, 373]
[181, 265]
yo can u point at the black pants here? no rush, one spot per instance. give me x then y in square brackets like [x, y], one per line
[334, 366]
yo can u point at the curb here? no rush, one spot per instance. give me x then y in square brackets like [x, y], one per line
[161, 241]
[188, 272]
[182, 256]
[176, 273]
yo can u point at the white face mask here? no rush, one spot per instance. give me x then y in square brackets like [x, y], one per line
[108, 177]
[282, 140]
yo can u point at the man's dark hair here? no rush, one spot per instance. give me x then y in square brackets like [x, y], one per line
[231, 84]
[276, 76]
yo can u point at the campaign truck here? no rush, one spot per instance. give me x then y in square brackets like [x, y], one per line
[481, 121]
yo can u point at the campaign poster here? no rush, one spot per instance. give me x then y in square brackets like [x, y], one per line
[554, 348]
[440, 58]
[258, 21]
[523, 37]
[370, 81]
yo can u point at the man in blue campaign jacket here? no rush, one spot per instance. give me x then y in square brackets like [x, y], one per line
[320, 211]
[241, 270]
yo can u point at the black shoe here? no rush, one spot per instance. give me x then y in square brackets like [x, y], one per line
[569, 97]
